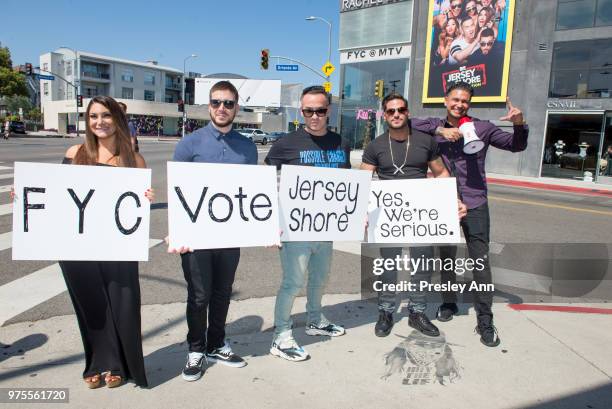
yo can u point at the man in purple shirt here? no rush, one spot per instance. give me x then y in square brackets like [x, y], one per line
[469, 169]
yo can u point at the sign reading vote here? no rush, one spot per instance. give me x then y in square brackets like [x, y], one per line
[73, 212]
[322, 204]
[413, 211]
[221, 205]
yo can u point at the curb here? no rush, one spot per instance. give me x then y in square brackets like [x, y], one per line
[548, 186]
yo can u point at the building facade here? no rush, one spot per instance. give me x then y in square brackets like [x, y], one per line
[559, 74]
[150, 91]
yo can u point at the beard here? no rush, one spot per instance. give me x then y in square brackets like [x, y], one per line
[223, 123]
[405, 124]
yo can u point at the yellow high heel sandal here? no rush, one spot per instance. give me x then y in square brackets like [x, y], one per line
[93, 382]
[112, 381]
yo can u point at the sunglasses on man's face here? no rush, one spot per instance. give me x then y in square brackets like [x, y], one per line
[309, 112]
[400, 110]
[486, 43]
[456, 6]
[228, 103]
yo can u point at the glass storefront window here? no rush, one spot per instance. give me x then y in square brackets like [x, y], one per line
[605, 164]
[572, 146]
[575, 14]
[388, 24]
[582, 69]
[361, 112]
[604, 13]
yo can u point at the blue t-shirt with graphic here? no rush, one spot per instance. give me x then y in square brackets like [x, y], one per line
[303, 149]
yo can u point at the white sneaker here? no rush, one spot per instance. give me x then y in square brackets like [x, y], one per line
[193, 367]
[288, 349]
[331, 330]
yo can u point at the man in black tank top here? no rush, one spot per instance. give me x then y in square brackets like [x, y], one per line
[403, 153]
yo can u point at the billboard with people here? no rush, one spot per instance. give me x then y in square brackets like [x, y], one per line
[468, 41]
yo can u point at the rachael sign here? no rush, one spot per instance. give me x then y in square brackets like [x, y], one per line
[413, 211]
[471, 42]
[322, 204]
[220, 205]
[72, 212]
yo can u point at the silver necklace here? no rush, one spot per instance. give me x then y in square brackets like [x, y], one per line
[398, 169]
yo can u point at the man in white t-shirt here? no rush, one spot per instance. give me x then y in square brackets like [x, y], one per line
[465, 45]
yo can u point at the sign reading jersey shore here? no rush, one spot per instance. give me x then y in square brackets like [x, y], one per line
[413, 211]
[72, 212]
[323, 204]
[219, 205]
[472, 47]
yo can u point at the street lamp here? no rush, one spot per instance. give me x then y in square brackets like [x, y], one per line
[312, 18]
[77, 83]
[183, 96]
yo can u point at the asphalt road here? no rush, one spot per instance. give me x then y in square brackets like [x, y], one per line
[518, 215]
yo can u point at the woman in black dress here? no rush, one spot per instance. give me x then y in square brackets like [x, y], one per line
[106, 294]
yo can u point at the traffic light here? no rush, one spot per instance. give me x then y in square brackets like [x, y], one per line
[265, 55]
[80, 101]
[181, 105]
[379, 90]
[28, 68]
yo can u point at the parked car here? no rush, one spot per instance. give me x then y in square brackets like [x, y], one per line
[275, 136]
[256, 135]
[17, 127]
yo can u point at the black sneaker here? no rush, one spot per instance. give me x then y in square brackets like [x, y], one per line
[224, 355]
[193, 367]
[446, 311]
[420, 322]
[384, 324]
[487, 332]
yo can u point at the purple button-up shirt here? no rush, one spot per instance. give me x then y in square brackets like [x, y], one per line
[470, 169]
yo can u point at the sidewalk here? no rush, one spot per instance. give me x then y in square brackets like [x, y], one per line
[547, 359]
[554, 184]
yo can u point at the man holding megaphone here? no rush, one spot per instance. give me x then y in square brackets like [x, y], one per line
[466, 161]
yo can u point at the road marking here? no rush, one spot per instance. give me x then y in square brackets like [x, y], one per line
[27, 292]
[560, 308]
[6, 240]
[6, 209]
[7, 176]
[6, 188]
[554, 206]
[5, 167]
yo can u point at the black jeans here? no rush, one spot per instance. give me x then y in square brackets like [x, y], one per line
[418, 298]
[475, 226]
[210, 276]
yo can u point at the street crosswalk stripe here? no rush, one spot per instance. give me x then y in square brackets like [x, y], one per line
[6, 188]
[7, 176]
[27, 292]
[6, 168]
[6, 240]
[6, 209]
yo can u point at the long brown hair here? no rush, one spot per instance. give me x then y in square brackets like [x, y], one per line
[88, 152]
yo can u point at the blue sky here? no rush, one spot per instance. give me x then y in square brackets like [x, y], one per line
[227, 35]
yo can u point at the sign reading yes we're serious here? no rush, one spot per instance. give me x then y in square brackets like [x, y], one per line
[413, 211]
[72, 212]
[323, 204]
[222, 205]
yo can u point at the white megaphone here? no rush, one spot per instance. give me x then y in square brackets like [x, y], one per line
[471, 142]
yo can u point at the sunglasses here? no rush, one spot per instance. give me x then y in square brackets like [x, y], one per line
[228, 103]
[400, 110]
[470, 9]
[486, 44]
[455, 6]
[309, 112]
